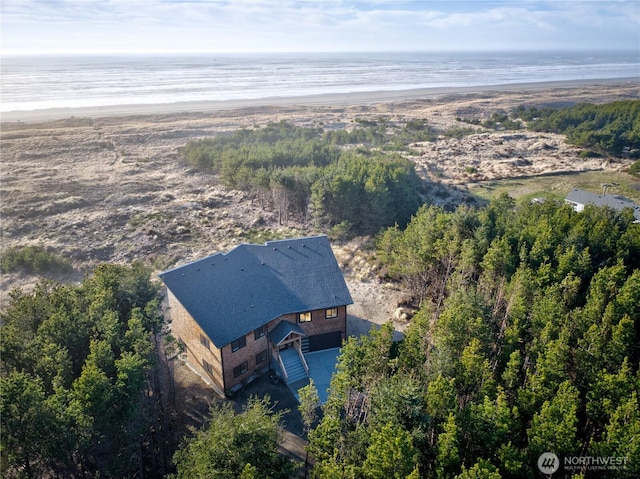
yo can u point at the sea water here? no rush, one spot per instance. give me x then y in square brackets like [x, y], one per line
[33, 82]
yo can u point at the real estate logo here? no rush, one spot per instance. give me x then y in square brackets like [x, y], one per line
[548, 463]
[595, 463]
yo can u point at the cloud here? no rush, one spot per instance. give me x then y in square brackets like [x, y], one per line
[258, 25]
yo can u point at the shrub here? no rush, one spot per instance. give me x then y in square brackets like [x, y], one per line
[33, 259]
[471, 121]
[457, 132]
[340, 231]
[589, 154]
[502, 121]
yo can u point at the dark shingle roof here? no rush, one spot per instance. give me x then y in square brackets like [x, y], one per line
[231, 294]
[284, 329]
[612, 201]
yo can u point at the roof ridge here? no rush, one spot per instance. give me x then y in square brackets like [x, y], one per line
[278, 277]
[241, 246]
[269, 243]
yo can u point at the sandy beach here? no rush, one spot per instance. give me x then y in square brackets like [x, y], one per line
[334, 99]
[109, 185]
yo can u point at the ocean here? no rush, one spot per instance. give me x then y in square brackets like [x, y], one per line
[35, 82]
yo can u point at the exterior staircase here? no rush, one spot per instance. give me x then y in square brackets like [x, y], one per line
[293, 366]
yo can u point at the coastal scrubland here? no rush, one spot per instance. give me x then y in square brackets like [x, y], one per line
[108, 188]
[521, 319]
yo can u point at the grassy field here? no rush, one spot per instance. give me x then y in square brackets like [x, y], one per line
[557, 186]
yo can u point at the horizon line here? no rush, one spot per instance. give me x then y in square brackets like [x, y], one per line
[297, 52]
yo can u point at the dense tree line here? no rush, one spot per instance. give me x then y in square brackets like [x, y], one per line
[365, 192]
[608, 128]
[79, 397]
[337, 177]
[526, 341]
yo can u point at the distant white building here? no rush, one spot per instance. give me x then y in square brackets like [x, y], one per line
[580, 198]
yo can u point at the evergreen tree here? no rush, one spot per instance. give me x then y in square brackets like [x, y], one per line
[232, 445]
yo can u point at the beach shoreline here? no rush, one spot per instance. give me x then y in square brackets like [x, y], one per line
[326, 99]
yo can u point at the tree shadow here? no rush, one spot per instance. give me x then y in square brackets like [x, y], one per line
[357, 326]
[281, 397]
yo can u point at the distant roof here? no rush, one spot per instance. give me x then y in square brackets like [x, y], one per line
[613, 201]
[231, 294]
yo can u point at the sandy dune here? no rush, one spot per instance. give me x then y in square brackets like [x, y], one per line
[114, 188]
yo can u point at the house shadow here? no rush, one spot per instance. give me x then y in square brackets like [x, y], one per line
[281, 397]
[193, 398]
[282, 400]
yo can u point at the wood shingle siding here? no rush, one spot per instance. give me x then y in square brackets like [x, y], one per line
[223, 307]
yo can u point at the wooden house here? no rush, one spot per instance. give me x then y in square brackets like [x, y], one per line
[258, 308]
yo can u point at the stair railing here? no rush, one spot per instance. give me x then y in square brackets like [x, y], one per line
[302, 359]
[284, 370]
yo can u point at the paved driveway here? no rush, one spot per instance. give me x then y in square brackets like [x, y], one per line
[321, 367]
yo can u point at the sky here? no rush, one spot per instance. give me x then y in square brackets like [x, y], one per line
[82, 26]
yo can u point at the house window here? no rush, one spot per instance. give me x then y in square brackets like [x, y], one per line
[304, 317]
[207, 367]
[204, 341]
[331, 313]
[238, 344]
[261, 331]
[240, 370]
[261, 357]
